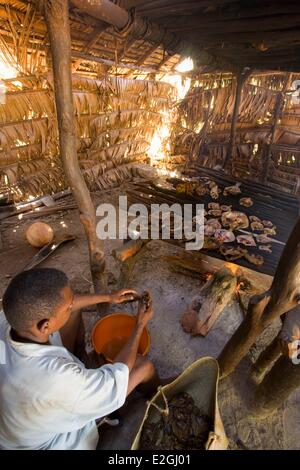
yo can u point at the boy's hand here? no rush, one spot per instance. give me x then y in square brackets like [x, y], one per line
[123, 295]
[144, 314]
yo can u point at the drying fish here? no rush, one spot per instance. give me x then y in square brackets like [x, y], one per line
[214, 192]
[215, 213]
[257, 226]
[247, 240]
[258, 260]
[246, 202]
[209, 230]
[267, 223]
[211, 226]
[267, 248]
[214, 205]
[254, 218]
[201, 190]
[224, 236]
[232, 190]
[180, 188]
[214, 223]
[270, 231]
[262, 238]
[235, 220]
[232, 253]
[226, 208]
[210, 244]
[186, 188]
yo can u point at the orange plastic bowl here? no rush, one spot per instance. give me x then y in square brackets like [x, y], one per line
[112, 332]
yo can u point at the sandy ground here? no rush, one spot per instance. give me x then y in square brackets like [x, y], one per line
[172, 349]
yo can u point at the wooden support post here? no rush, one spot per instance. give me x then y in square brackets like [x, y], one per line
[266, 360]
[279, 383]
[283, 296]
[241, 77]
[277, 113]
[56, 13]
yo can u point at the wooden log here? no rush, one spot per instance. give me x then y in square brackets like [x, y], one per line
[279, 383]
[208, 305]
[128, 249]
[265, 360]
[283, 296]
[56, 14]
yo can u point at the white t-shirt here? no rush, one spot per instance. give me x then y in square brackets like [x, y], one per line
[48, 399]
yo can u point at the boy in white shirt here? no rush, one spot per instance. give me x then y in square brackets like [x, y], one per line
[48, 399]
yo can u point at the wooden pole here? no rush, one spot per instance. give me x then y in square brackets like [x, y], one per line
[277, 113]
[241, 77]
[56, 13]
[278, 384]
[283, 296]
[266, 360]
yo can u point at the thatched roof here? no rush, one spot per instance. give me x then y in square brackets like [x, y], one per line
[263, 35]
[121, 101]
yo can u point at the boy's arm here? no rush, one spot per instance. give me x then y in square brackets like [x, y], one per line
[83, 301]
[128, 353]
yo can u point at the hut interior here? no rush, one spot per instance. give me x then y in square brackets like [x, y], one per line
[165, 101]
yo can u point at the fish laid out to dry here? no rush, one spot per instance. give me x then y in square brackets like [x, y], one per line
[257, 226]
[247, 240]
[258, 260]
[211, 226]
[267, 248]
[246, 202]
[262, 238]
[267, 223]
[254, 218]
[235, 220]
[210, 243]
[182, 426]
[225, 208]
[215, 212]
[270, 231]
[201, 190]
[214, 191]
[232, 190]
[187, 188]
[224, 236]
[232, 253]
[214, 206]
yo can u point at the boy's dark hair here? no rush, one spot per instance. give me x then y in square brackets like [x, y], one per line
[32, 296]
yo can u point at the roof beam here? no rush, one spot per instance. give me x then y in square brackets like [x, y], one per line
[141, 28]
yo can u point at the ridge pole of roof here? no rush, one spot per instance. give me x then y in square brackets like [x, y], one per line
[276, 116]
[127, 22]
[241, 77]
[56, 13]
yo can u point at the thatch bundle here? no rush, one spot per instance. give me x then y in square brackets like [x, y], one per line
[115, 118]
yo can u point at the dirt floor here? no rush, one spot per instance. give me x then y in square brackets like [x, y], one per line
[172, 349]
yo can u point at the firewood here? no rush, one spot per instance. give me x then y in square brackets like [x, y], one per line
[209, 304]
[128, 249]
